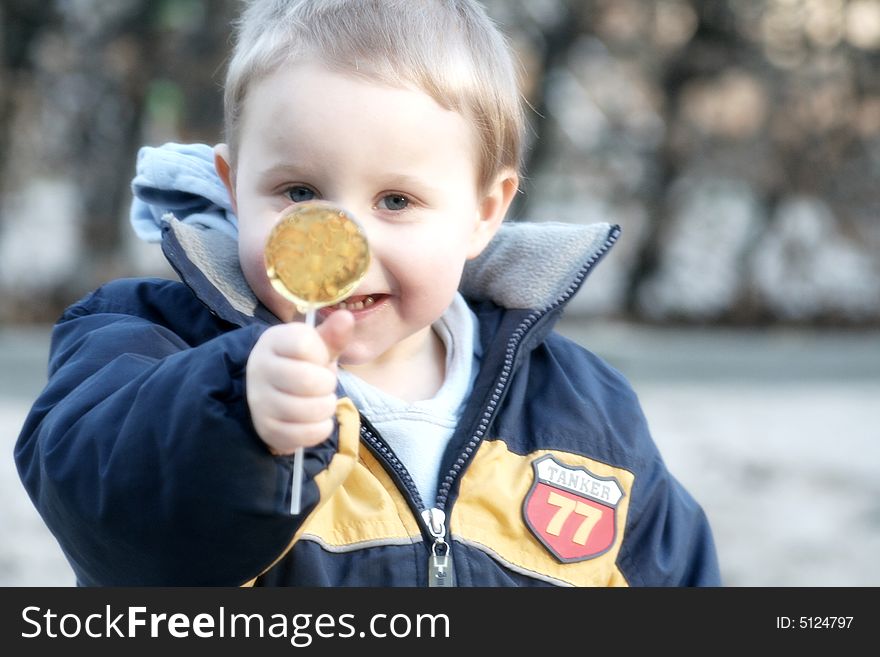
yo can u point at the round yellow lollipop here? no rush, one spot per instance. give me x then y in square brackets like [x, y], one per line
[316, 255]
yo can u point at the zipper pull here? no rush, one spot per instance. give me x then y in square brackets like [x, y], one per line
[440, 571]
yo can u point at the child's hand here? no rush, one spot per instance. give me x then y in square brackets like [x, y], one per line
[291, 382]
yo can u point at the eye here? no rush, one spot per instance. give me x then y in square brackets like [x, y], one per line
[300, 193]
[394, 202]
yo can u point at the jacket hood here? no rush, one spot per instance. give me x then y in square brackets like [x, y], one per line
[180, 200]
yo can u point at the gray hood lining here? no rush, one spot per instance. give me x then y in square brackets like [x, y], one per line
[527, 265]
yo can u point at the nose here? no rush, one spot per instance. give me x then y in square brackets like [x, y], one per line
[376, 278]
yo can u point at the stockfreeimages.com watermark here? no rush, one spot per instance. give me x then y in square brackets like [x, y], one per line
[300, 629]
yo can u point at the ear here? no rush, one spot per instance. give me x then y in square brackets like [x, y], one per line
[493, 208]
[224, 169]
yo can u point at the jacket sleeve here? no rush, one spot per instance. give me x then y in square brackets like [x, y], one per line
[141, 457]
[668, 541]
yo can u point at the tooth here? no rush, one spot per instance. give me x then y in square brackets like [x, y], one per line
[365, 302]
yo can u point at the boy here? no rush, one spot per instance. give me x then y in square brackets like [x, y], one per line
[451, 438]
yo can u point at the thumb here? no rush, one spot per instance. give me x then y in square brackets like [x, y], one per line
[336, 331]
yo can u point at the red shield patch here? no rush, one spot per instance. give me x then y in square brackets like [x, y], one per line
[572, 511]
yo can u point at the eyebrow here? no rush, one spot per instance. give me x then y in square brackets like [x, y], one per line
[282, 168]
[405, 181]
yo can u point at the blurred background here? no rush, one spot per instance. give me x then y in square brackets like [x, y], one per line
[736, 142]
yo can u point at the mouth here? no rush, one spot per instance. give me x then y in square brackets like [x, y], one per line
[358, 305]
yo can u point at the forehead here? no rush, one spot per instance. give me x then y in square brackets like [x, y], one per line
[310, 109]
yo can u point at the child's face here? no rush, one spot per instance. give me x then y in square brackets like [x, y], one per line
[401, 164]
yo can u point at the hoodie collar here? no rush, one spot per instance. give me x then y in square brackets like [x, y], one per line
[526, 266]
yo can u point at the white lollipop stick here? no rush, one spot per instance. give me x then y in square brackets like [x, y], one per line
[296, 484]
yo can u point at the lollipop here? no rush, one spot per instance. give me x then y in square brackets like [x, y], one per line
[316, 255]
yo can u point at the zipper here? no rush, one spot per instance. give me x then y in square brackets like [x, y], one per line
[440, 573]
[381, 449]
[433, 520]
[510, 354]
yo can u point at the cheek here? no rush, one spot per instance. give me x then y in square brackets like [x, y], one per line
[430, 268]
[250, 254]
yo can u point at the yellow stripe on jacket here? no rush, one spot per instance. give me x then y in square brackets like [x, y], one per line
[489, 514]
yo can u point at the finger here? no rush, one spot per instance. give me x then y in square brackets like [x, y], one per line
[298, 341]
[287, 437]
[337, 331]
[296, 377]
[287, 408]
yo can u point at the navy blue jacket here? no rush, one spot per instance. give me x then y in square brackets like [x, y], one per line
[141, 457]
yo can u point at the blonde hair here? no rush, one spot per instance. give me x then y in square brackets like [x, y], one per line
[449, 49]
